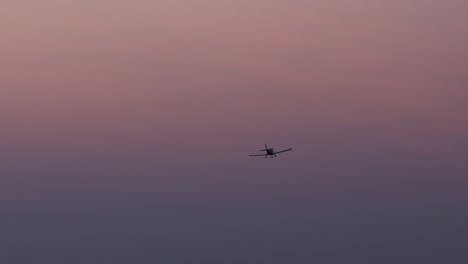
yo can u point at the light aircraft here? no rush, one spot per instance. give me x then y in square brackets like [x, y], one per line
[269, 152]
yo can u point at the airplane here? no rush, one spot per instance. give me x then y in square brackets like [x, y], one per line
[269, 152]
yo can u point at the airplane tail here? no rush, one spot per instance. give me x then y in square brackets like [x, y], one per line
[266, 147]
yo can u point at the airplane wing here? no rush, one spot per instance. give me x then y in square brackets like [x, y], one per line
[283, 151]
[259, 155]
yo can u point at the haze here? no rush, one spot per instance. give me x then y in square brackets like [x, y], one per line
[126, 129]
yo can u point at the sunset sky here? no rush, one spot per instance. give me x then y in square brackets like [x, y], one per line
[126, 127]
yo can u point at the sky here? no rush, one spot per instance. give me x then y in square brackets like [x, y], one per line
[126, 128]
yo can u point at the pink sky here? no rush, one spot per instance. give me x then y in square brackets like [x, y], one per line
[394, 68]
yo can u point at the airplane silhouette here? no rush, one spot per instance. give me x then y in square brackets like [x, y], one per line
[269, 152]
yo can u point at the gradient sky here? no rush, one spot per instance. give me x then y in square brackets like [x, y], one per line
[126, 128]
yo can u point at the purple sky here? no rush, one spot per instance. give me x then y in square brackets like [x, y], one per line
[126, 128]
